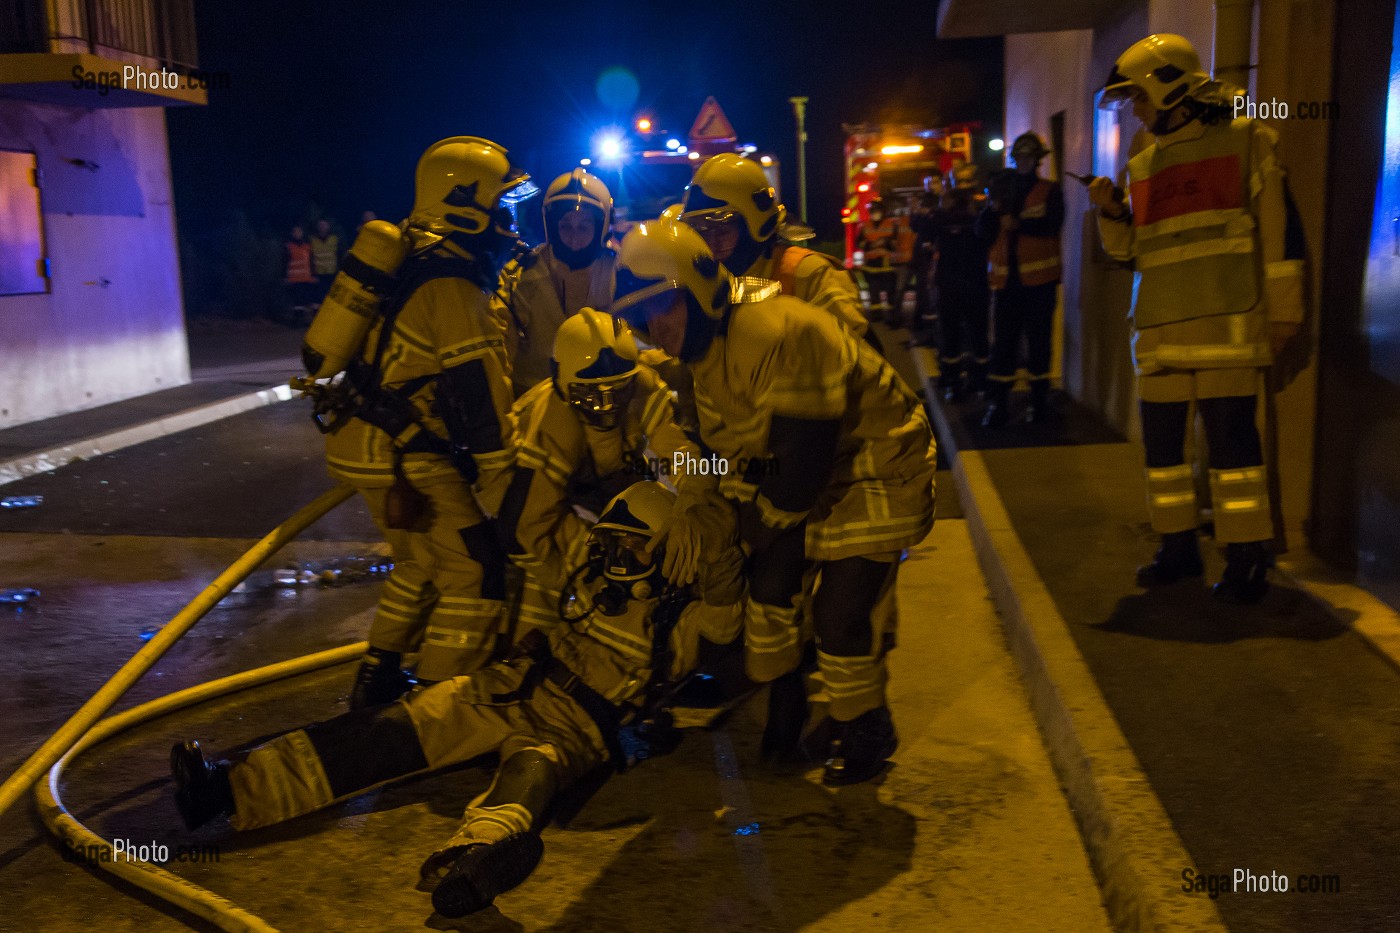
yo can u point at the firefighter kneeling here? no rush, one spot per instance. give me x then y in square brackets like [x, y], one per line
[779, 381]
[565, 703]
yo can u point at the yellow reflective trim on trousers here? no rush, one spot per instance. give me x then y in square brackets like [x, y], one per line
[1164, 474]
[1167, 500]
[1246, 475]
[1251, 504]
[1224, 246]
[1039, 265]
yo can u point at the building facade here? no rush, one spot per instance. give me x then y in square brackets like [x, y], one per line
[90, 301]
[1334, 422]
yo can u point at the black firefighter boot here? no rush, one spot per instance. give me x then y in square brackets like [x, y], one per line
[950, 381]
[860, 748]
[202, 791]
[485, 871]
[1039, 410]
[379, 680]
[787, 715]
[998, 400]
[1179, 556]
[1245, 580]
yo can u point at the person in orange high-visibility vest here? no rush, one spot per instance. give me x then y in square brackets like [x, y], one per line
[1024, 213]
[878, 240]
[300, 280]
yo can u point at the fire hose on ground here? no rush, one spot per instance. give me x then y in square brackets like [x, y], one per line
[82, 731]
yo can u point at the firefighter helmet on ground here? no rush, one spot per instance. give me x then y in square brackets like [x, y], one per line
[594, 365]
[1163, 67]
[465, 184]
[577, 191]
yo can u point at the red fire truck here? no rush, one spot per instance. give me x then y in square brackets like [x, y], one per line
[890, 160]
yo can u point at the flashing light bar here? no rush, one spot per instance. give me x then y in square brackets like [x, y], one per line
[900, 150]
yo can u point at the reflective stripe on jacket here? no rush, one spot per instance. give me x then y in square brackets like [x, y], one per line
[1195, 238]
[1037, 257]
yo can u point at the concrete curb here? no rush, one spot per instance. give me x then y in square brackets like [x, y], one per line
[1132, 846]
[42, 461]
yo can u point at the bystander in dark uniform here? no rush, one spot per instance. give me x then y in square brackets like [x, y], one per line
[961, 280]
[1023, 217]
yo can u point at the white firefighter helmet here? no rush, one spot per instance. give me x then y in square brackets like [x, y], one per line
[577, 191]
[1163, 67]
[463, 183]
[594, 365]
[729, 186]
[627, 526]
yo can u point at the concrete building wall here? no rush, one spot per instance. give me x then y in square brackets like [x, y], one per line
[1046, 74]
[112, 325]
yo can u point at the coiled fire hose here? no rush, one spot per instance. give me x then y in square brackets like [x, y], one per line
[82, 730]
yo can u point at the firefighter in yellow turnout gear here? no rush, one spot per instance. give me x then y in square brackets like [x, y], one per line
[1214, 298]
[556, 711]
[571, 270]
[734, 207]
[601, 423]
[429, 446]
[831, 460]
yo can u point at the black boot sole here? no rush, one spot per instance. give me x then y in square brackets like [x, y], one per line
[486, 872]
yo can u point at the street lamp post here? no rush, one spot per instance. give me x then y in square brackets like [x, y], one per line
[799, 108]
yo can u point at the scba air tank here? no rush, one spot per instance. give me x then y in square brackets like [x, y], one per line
[366, 278]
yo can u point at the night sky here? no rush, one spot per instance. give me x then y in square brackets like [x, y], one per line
[333, 103]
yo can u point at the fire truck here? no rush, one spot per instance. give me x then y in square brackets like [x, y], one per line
[891, 160]
[647, 169]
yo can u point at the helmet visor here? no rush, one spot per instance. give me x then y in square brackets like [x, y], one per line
[523, 190]
[625, 554]
[1117, 92]
[601, 404]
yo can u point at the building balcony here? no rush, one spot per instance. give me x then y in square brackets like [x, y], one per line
[100, 53]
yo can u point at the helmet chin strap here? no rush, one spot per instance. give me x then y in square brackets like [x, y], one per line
[700, 330]
[1162, 125]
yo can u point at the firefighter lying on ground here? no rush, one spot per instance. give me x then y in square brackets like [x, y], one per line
[565, 705]
[1214, 297]
[838, 467]
[421, 424]
[571, 270]
[601, 423]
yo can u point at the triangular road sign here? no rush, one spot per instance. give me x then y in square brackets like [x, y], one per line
[711, 124]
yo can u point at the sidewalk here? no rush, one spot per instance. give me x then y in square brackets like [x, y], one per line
[235, 366]
[1268, 733]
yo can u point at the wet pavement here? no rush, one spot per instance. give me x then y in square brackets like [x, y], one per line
[967, 831]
